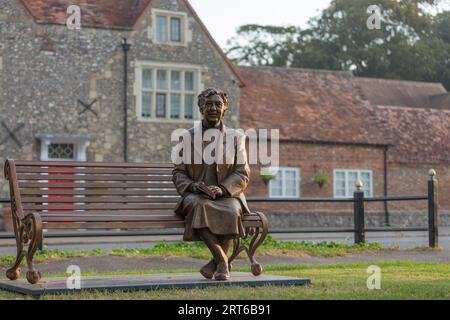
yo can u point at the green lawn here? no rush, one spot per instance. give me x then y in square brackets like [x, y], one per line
[400, 280]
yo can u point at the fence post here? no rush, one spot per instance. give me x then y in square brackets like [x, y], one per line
[358, 212]
[433, 210]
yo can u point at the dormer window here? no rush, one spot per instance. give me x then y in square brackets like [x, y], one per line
[169, 27]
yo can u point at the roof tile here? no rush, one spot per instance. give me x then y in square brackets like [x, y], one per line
[98, 13]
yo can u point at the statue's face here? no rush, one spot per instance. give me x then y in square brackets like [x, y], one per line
[214, 109]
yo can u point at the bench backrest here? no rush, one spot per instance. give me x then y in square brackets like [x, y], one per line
[56, 188]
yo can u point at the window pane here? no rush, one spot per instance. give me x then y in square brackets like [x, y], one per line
[290, 175]
[366, 190]
[339, 183]
[276, 187]
[147, 79]
[291, 192]
[276, 192]
[60, 151]
[175, 100]
[291, 184]
[189, 81]
[339, 175]
[352, 178]
[189, 106]
[160, 105]
[365, 178]
[175, 29]
[161, 28]
[340, 192]
[176, 80]
[146, 104]
[161, 79]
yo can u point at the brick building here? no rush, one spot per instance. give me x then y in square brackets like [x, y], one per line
[63, 96]
[386, 133]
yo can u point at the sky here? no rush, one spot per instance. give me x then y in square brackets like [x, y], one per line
[222, 20]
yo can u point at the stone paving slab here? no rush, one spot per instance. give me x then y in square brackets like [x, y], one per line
[146, 282]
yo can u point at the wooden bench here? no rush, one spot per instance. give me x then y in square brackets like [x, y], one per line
[80, 195]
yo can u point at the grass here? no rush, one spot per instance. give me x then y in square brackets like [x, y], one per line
[271, 247]
[400, 280]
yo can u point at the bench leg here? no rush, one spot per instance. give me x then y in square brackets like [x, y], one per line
[258, 235]
[14, 272]
[27, 230]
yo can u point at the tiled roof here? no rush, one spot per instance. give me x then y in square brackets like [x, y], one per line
[107, 14]
[326, 106]
[383, 92]
[420, 135]
[307, 105]
[440, 101]
[95, 13]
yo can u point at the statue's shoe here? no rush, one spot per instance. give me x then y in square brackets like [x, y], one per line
[222, 273]
[209, 269]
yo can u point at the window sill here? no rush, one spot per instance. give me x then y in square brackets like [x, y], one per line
[164, 120]
[171, 44]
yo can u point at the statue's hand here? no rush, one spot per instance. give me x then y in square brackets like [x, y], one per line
[216, 190]
[194, 187]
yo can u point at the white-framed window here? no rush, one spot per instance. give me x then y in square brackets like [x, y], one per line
[286, 184]
[345, 182]
[167, 92]
[63, 147]
[170, 27]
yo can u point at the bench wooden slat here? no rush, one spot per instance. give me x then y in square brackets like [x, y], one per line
[90, 170]
[107, 218]
[114, 225]
[245, 218]
[99, 192]
[98, 199]
[146, 206]
[20, 163]
[160, 214]
[89, 177]
[251, 217]
[104, 185]
[127, 225]
[105, 212]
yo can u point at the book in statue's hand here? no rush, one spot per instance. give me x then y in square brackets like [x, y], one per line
[203, 188]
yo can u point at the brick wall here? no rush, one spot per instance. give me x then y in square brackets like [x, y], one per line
[310, 158]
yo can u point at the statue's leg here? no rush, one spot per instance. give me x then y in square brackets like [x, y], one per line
[220, 257]
[210, 268]
[226, 242]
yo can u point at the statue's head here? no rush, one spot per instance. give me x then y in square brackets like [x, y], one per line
[213, 104]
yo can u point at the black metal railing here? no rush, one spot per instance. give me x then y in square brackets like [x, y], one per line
[359, 200]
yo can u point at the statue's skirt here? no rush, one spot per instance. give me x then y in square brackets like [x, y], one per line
[221, 216]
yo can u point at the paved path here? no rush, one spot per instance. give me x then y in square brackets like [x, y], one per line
[402, 240]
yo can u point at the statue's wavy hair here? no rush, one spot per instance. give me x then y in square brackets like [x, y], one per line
[212, 92]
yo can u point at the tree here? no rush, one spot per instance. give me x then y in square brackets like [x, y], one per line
[264, 45]
[411, 43]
